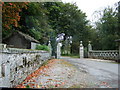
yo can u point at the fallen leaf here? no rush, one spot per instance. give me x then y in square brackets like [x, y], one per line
[57, 85]
[38, 86]
[49, 79]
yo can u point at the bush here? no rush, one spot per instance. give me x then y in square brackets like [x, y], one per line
[42, 47]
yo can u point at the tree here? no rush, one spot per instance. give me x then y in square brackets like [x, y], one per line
[118, 8]
[67, 18]
[34, 22]
[108, 28]
[10, 15]
[44, 20]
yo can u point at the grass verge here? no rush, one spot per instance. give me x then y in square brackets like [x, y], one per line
[71, 55]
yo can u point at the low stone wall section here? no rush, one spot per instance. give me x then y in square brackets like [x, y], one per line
[16, 64]
[102, 54]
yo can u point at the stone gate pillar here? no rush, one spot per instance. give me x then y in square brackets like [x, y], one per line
[81, 50]
[50, 49]
[119, 49]
[59, 50]
[89, 48]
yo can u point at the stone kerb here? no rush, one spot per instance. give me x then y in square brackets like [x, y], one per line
[16, 64]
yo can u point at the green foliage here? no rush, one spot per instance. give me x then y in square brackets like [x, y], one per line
[36, 34]
[107, 29]
[34, 22]
[42, 47]
[6, 33]
[67, 18]
[44, 20]
[27, 86]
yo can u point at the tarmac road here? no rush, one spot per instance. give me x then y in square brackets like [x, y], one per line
[104, 71]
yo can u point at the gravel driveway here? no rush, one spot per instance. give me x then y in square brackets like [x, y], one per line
[73, 73]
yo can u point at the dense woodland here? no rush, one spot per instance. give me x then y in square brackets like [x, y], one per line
[42, 20]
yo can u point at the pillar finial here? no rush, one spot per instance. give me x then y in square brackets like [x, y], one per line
[89, 42]
[81, 43]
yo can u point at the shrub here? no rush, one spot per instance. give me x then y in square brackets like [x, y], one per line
[42, 47]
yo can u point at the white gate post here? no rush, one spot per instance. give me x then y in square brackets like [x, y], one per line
[59, 50]
[81, 51]
[89, 48]
[50, 49]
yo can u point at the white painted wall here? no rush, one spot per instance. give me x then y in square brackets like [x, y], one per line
[33, 45]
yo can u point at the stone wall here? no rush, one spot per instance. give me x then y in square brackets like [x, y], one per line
[16, 64]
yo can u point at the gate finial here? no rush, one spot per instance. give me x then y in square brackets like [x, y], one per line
[81, 44]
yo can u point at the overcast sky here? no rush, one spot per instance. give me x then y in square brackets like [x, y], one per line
[89, 6]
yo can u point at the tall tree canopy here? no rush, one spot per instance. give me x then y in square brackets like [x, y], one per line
[10, 13]
[108, 28]
[43, 20]
[67, 18]
[35, 22]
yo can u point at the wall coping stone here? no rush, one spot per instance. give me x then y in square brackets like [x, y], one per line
[104, 51]
[16, 50]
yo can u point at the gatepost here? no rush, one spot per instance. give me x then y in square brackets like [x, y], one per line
[50, 49]
[119, 49]
[81, 51]
[89, 48]
[59, 50]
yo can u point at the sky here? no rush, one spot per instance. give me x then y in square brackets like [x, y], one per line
[90, 6]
